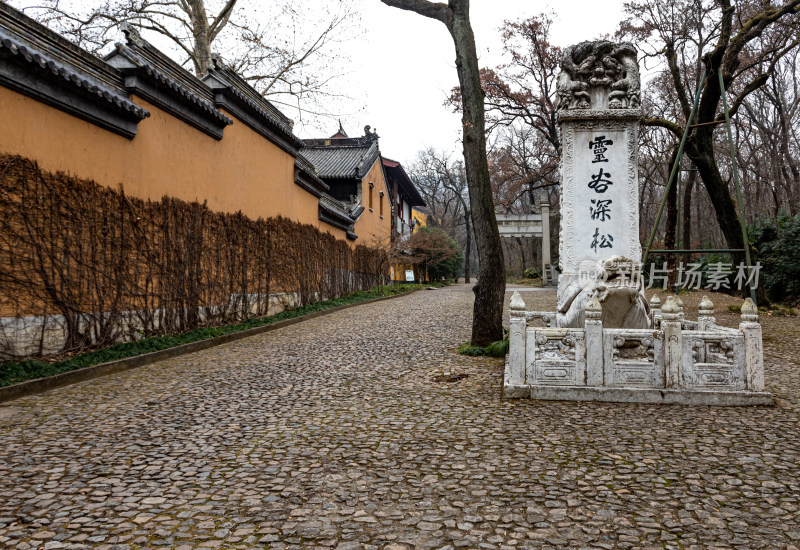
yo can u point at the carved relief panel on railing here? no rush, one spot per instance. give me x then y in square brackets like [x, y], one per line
[556, 357]
[633, 358]
[541, 319]
[713, 361]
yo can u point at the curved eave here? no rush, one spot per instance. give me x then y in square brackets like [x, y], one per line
[242, 107]
[307, 179]
[372, 155]
[333, 213]
[146, 81]
[412, 196]
[33, 74]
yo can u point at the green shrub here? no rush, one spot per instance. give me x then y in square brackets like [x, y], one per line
[777, 248]
[498, 349]
[434, 252]
[495, 349]
[473, 351]
[531, 273]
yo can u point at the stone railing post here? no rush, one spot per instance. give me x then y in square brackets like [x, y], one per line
[753, 351]
[681, 315]
[673, 346]
[655, 311]
[705, 318]
[593, 327]
[516, 341]
[545, 241]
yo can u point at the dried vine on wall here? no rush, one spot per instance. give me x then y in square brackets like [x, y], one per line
[116, 267]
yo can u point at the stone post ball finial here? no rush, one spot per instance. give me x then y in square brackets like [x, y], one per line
[517, 303]
[655, 302]
[680, 307]
[749, 311]
[593, 308]
[706, 306]
[670, 309]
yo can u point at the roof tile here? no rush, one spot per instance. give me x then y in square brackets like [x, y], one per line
[348, 161]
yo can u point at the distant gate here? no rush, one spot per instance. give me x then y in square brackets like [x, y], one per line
[531, 225]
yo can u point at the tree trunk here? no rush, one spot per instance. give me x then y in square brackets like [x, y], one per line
[201, 33]
[671, 222]
[701, 151]
[687, 213]
[487, 320]
[521, 245]
[468, 248]
[487, 312]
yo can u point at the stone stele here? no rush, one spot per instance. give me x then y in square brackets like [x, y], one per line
[599, 113]
[603, 343]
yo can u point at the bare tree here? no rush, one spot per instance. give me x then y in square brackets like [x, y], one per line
[520, 109]
[283, 53]
[444, 185]
[768, 142]
[487, 319]
[524, 168]
[522, 90]
[442, 207]
[744, 43]
[522, 122]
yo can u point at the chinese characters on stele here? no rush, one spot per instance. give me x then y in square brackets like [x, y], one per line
[600, 209]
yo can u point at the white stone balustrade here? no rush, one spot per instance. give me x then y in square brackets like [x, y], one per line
[670, 363]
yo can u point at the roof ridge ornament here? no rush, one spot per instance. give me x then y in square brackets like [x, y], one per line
[131, 33]
[369, 134]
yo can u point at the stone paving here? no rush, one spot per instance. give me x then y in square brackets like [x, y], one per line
[332, 434]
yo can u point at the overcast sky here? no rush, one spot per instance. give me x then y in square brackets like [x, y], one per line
[404, 66]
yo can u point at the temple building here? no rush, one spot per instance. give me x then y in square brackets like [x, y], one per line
[139, 120]
[376, 190]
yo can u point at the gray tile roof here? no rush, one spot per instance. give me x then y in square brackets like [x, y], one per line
[38, 48]
[37, 37]
[341, 161]
[70, 76]
[237, 97]
[337, 214]
[247, 93]
[166, 74]
[154, 60]
[335, 207]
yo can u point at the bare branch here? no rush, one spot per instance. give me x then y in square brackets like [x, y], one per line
[221, 20]
[434, 10]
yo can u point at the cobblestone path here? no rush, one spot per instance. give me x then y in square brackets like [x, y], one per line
[332, 433]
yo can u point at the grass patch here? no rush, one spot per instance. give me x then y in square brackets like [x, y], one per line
[498, 349]
[778, 310]
[20, 371]
[473, 351]
[495, 349]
